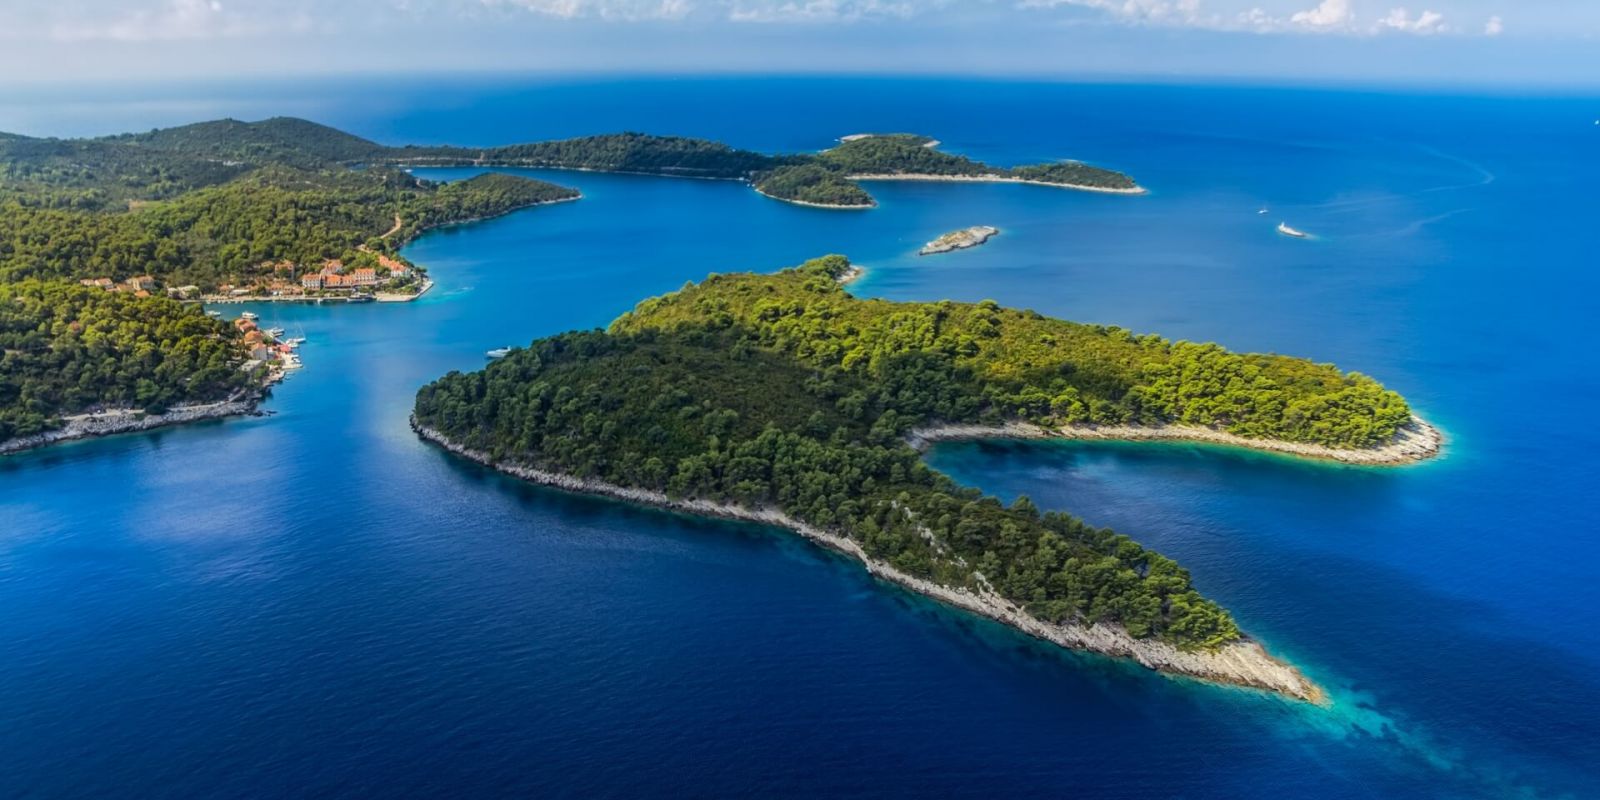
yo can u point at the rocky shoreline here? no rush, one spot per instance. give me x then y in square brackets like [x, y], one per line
[128, 420]
[992, 178]
[960, 240]
[828, 206]
[1243, 663]
[1417, 441]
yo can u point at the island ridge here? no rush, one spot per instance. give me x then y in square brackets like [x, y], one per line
[782, 398]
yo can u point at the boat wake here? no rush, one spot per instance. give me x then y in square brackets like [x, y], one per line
[1483, 178]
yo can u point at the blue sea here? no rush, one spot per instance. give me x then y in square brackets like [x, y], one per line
[314, 603]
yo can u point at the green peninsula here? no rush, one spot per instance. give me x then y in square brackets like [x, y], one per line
[783, 398]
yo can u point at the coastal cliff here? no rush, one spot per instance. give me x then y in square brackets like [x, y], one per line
[1243, 663]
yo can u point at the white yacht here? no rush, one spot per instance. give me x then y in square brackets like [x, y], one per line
[499, 352]
[1283, 228]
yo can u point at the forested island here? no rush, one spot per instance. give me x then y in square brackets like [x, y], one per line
[102, 242]
[827, 179]
[782, 398]
[286, 209]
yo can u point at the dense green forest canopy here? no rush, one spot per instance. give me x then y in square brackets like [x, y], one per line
[214, 204]
[161, 164]
[784, 391]
[904, 154]
[824, 178]
[236, 232]
[280, 140]
[251, 204]
[999, 364]
[66, 348]
[638, 152]
[813, 183]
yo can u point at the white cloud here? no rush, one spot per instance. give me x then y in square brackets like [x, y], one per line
[617, 10]
[171, 20]
[817, 10]
[1173, 12]
[1328, 14]
[160, 20]
[1425, 23]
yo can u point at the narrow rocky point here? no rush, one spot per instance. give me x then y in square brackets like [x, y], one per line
[1243, 663]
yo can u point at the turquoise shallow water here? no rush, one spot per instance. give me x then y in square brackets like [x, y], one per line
[315, 602]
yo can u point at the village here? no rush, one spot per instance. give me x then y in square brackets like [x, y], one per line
[386, 280]
[374, 277]
[268, 348]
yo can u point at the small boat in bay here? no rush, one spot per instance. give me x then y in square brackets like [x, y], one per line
[499, 352]
[1283, 228]
[250, 315]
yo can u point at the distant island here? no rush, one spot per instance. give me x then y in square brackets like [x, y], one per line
[290, 210]
[783, 399]
[959, 240]
[829, 179]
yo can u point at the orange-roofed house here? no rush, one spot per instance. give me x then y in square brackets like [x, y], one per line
[395, 267]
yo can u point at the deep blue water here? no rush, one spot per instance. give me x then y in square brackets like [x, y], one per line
[315, 603]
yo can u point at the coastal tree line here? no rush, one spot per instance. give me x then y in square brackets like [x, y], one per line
[784, 391]
[209, 205]
[981, 363]
[701, 414]
[65, 347]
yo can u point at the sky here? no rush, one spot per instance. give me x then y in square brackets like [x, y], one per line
[1498, 42]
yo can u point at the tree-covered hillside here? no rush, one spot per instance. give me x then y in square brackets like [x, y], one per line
[983, 363]
[638, 152]
[218, 204]
[280, 140]
[241, 231]
[66, 348]
[785, 391]
[813, 183]
[824, 178]
[112, 171]
[704, 414]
